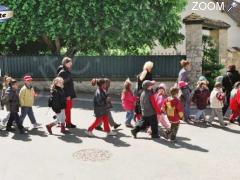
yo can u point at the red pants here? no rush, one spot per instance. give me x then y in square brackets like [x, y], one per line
[99, 120]
[234, 115]
[69, 104]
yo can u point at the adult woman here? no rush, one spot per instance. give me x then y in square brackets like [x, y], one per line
[146, 74]
[184, 72]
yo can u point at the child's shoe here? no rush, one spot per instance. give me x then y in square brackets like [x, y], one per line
[89, 133]
[63, 130]
[129, 126]
[116, 126]
[36, 125]
[49, 128]
[111, 133]
[156, 136]
[4, 121]
[10, 129]
[134, 133]
[99, 128]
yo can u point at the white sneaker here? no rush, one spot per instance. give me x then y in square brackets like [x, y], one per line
[111, 133]
[89, 133]
[36, 125]
[4, 121]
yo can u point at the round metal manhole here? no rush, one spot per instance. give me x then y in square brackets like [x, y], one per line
[92, 155]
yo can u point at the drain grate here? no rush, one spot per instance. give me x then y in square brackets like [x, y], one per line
[92, 155]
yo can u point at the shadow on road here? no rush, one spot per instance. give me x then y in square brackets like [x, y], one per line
[227, 129]
[21, 137]
[181, 143]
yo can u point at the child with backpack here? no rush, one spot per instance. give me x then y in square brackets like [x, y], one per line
[216, 104]
[100, 102]
[112, 123]
[128, 102]
[13, 104]
[57, 102]
[173, 108]
[27, 96]
[201, 98]
[149, 111]
[160, 97]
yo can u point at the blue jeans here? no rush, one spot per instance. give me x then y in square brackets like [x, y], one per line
[27, 111]
[186, 110]
[129, 117]
[200, 114]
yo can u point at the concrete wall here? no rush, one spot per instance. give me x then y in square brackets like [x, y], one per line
[233, 31]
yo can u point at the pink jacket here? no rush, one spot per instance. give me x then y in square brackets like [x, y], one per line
[159, 98]
[128, 101]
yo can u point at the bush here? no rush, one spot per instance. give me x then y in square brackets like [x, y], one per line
[211, 67]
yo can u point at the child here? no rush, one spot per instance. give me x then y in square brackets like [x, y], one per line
[6, 81]
[160, 97]
[128, 102]
[58, 104]
[235, 103]
[173, 108]
[149, 111]
[112, 123]
[186, 99]
[201, 97]
[100, 108]
[12, 104]
[27, 95]
[216, 104]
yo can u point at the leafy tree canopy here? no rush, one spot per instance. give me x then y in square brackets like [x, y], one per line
[89, 26]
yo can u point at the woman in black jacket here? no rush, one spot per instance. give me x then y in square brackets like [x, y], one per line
[64, 71]
[58, 103]
[146, 74]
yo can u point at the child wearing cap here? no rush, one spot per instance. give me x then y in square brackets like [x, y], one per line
[186, 99]
[173, 108]
[149, 111]
[235, 103]
[26, 96]
[160, 97]
[128, 102]
[216, 104]
[12, 104]
[201, 98]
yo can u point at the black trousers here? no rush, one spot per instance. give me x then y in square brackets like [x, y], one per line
[14, 117]
[146, 122]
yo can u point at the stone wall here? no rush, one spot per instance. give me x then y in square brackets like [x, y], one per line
[233, 57]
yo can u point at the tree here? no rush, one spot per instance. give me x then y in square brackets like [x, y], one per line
[211, 66]
[91, 26]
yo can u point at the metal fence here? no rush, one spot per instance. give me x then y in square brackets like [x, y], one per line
[84, 67]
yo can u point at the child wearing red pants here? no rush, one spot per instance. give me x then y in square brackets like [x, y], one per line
[100, 108]
[235, 103]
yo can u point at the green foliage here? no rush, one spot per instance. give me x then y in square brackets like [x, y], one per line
[211, 66]
[91, 26]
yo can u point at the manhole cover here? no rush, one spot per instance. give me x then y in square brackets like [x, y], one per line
[92, 155]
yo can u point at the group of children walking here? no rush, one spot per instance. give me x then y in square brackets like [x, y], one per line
[13, 99]
[146, 106]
